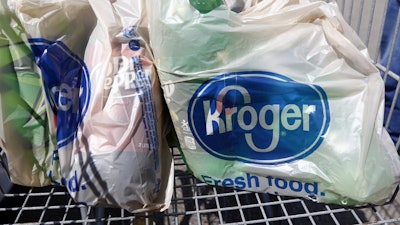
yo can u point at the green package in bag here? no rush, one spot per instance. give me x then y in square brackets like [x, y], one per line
[205, 6]
[26, 129]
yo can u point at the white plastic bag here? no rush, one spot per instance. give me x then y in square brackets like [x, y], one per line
[279, 98]
[101, 82]
[27, 129]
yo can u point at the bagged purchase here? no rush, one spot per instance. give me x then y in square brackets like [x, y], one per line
[27, 129]
[281, 97]
[101, 83]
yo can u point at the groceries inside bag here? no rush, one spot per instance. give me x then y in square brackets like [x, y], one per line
[281, 97]
[101, 83]
[27, 128]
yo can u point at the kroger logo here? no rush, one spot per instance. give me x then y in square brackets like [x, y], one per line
[258, 117]
[67, 85]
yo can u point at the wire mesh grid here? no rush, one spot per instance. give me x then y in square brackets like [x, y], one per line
[195, 202]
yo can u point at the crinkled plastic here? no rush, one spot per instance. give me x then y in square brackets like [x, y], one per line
[27, 128]
[101, 83]
[281, 97]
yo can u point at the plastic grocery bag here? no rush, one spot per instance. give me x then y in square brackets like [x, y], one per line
[281, 98]
[27, 128]
[102, 84]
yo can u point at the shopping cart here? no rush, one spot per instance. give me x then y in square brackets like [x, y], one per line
[194, 202]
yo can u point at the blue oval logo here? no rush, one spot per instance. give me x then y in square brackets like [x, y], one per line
[67, 85]
[258, 117]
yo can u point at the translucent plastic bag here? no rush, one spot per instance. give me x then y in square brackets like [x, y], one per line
[281, 97]
[101, 83]
[27, 128]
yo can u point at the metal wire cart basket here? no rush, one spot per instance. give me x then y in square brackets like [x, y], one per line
[195, 202]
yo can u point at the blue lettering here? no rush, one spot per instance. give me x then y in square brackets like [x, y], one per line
[240, 183]
[73, 184]
[52, 179]
[263, 116]
[250, 180]
[207, 179]
[281, 183]
[295, 186]
[311, 188]
[227, 182]
[269, 178]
